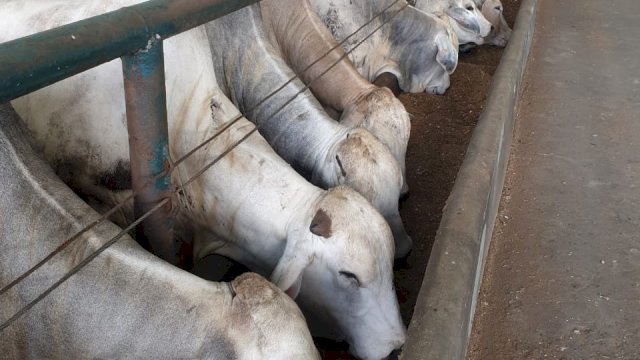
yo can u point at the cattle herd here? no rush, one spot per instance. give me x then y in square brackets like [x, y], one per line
[309, 200]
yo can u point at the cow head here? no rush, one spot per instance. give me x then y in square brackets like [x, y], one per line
[424, 51]
[379, 111]
[360, 161]
[341, 268]
[500, 32]
[468, 23]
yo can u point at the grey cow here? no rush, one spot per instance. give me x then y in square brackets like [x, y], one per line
[310, 50]
[419, 49]
[126, 303]
[493, 11]
[248, 69]
[466, 20]
[324, 151]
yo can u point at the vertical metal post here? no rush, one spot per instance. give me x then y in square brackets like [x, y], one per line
[145, 96]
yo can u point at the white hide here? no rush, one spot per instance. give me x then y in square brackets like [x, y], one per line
[301, 39]
[294, 28]
[251, 206]
[493, 12]
[464, 17]
[125, 303]
[420, 49]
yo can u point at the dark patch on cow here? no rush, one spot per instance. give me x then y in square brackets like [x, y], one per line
[449, 65]
[119, 178]
[186, 198]
[332, 21]
[214, 106]
[69, 169]
[231, 290]
[389, 81]
[321, 224]
[344, 173]
[466, 48]
[215, 267]
[184, 253]
[218, 345]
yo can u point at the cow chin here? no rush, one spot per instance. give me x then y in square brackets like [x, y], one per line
[438, 88]
[497, 41]
[470, 38]
[367, 318]
[500, 36]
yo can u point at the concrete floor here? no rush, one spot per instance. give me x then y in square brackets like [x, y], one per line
[562, 279]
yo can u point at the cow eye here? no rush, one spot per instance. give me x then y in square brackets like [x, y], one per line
[499, 8]
[350, 276]
[469, 7]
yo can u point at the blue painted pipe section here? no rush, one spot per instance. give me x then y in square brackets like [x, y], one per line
[145, 97]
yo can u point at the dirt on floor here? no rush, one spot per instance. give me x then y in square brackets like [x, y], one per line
[441, 127]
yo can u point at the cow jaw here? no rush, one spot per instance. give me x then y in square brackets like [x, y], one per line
[466, 36]
[366, 315]
[349, 283]
[501, 32]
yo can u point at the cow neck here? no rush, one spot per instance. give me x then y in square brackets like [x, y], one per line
[295, 30]
[277, 222]
[299, 130]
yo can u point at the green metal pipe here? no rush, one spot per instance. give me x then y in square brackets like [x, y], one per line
[135, 34]
[146, 97]
[35, 61]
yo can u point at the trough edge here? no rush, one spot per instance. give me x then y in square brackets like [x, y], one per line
[441, 324]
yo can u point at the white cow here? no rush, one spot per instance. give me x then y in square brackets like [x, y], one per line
[419, 49]
[126, 303]
[295, 30]
[500, 30]
[468, 23]
[251, 206]
[326, 152]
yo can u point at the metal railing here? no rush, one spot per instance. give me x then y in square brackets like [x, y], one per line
[167, 171]
[135, 35]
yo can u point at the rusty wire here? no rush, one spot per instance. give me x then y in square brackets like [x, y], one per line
[174, 165]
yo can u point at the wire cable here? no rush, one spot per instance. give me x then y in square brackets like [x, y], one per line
[171, 169]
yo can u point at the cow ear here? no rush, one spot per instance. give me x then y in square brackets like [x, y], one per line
[294, 289]
[288, 272]
[464, 19]
[447, 55]
[321, 224]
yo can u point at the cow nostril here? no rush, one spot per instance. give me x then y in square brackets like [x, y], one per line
[492, 27]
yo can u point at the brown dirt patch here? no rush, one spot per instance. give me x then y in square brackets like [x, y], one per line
[440, 133]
